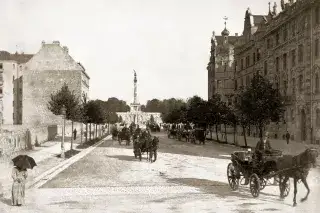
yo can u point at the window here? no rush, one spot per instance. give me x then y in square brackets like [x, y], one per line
[317, 83]
[1, 91]
[293, 86]
[241, 64]
[285, 87]
[20, 67]
[293, 29]
[285, 61]
[285, 34]
[268, 43]
[1, 66]
[300, 53]
[21, 103]
[277, 39]
[247, 61]
[292, 114]
[300, 83]
[317, 17]
[248, 80]
[20, 90]
[316, 48]
[14, 66]
[293, 58]
[265, 67]
[254, 58]
[235, 66]
[235, 84]
[318, 117]
[277, 64]
[219, 84]
[258, 54]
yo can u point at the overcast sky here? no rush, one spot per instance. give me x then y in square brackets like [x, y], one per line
[166, 41]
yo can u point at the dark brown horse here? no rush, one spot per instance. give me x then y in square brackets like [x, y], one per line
[296, 167]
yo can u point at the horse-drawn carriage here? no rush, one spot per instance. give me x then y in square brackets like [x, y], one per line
[183, 133]
[198, 134]
[273, 164]
[172, 133]
[124, 135]
[144, 143]
[245, 164]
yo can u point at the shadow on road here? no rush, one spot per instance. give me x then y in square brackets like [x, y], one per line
[6, 201]
[123, 157]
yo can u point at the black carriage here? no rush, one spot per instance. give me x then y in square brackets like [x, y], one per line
[114, 133]
[198, 134]
[172, 133]
[183, 133]
[245, 164]
[124, 136]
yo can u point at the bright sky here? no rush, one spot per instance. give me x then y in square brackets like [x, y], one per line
[166, 41]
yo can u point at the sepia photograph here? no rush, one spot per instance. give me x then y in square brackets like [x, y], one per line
[159, 106]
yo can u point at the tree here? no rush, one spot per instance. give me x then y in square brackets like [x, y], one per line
[261, 103]
[95, 114]
[67, 98]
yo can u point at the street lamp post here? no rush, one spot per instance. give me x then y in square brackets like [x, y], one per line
[63, 112]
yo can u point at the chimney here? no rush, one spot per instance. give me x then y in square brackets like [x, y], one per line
[66, 49]
[236, 34]
[56, 42]
[43, 43]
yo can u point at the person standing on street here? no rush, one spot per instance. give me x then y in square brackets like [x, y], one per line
[287, 137]
[19, 177]
[74, 134]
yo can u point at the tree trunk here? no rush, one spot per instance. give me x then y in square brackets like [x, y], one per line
[81, 130]
[244, 136]
[96, 130]
[260, 132]
[90, 132]
[217, 132]
[71, 146]
[210, 132]
[235, 134]
[225, 132]
[86, 132]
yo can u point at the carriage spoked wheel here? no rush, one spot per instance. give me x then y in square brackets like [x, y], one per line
[263, 183]
[232, 177]
[284, 186]
[254, 185]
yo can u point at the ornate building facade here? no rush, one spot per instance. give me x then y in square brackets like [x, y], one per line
[284, 47]
[220, 67]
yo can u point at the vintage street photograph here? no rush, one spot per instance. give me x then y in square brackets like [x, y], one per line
[159, 106]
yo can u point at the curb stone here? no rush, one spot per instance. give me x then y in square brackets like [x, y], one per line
[51, 173]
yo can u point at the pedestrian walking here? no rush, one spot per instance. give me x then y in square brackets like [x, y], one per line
[74, 134]
[19, 177]
[287, 137]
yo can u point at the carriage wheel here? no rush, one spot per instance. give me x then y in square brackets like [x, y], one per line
[255, 185]
[284, 187]
[263, 183]
[232, 177]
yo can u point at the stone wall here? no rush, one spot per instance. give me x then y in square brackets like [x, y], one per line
[14, 138]
[37, 88]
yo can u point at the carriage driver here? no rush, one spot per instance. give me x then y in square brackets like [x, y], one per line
[263, 146]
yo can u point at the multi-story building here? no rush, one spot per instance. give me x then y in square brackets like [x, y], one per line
[11, 66]
[284, 47]
[220, 67]
[45, 74]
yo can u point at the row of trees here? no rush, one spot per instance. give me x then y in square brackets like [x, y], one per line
[256, 105]
[89, 112]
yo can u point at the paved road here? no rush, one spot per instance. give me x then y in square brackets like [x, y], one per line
[185, 178]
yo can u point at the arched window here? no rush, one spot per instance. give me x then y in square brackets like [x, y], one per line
[300, 83]
[318, 117]
[317, 83]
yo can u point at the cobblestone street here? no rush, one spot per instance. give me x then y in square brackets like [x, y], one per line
[185, 178]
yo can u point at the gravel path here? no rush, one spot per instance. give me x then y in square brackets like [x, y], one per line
[185, 178]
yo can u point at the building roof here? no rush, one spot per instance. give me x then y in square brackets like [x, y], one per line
[53, 57]
[257, 19]
[20, 58]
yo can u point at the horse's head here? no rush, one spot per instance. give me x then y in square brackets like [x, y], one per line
[311, 156]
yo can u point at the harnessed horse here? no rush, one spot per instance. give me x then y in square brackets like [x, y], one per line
[296, 167]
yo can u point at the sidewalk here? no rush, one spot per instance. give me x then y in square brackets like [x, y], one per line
[293, 147]
[45, 157]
